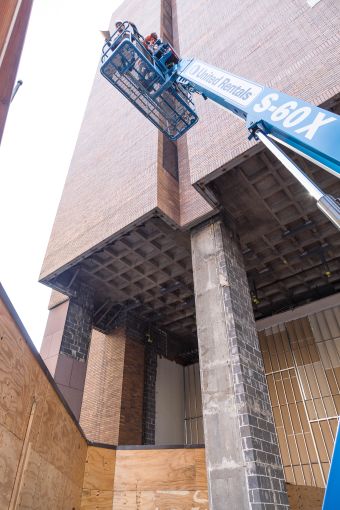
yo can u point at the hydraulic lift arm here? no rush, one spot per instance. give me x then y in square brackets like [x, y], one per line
[161, 86]
[271, 115]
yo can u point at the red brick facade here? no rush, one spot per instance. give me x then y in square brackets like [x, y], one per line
[14, 16]
[113, 394]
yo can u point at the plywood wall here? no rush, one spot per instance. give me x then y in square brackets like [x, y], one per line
[145, 479]
[45, 461]
[98, 479]
[160, 479]
[305, 498]
[42, 451]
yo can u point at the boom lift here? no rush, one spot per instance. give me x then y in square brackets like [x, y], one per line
[161, 86]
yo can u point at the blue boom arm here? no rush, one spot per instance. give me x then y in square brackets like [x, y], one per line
[304, 128]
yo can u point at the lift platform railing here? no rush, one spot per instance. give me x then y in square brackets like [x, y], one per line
[147, 82]
[125, 31]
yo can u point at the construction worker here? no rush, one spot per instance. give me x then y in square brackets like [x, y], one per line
[150, 41]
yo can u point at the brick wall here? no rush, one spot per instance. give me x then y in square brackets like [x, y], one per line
[285, 45]
[112, 180]
[112, 406]
[100, 412]
[131, 411]
[117, 175]
[11, 42]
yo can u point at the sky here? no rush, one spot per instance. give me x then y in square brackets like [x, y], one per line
[58, 63]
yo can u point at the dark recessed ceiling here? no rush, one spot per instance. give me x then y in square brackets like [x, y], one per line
[291, 252]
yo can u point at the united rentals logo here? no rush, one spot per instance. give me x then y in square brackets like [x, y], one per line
[236, 89]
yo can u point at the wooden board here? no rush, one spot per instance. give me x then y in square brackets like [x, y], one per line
[94, 499]
[10, 449]
[99, 469]
[16, 376]
[302, 497]
[145, 479]
[42, 452]
[72, 496]
[160, 500]
[29, 480]
[200, 469]
[155, 469]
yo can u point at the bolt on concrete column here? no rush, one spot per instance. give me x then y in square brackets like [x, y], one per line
[244, 468]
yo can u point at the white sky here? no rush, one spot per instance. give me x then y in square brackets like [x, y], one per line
[60, 56]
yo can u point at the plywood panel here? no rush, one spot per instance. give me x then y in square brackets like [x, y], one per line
[42, 451]
[49, 487]
[99, 469]
[59, 442]
[160, 499]
[200, 469]
[145, 479]
[304, 498]
[16, 377]
[10, 449]
[71, 496]
[155, 470]
[29, 479]
[94, 499]
[77, 461]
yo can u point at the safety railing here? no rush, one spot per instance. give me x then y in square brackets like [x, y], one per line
[148, 81]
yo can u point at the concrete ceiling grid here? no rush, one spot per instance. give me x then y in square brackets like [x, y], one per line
[147, 272]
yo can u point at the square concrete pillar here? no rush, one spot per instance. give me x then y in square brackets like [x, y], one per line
[243, 462]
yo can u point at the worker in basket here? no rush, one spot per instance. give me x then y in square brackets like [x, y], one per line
[158, 48]
[150, 41]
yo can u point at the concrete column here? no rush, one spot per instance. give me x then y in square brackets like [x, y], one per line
[243, 463]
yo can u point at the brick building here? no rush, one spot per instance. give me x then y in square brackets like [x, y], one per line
[14, 17]
[196, 284]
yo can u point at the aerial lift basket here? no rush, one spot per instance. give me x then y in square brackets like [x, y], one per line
[147, 83]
